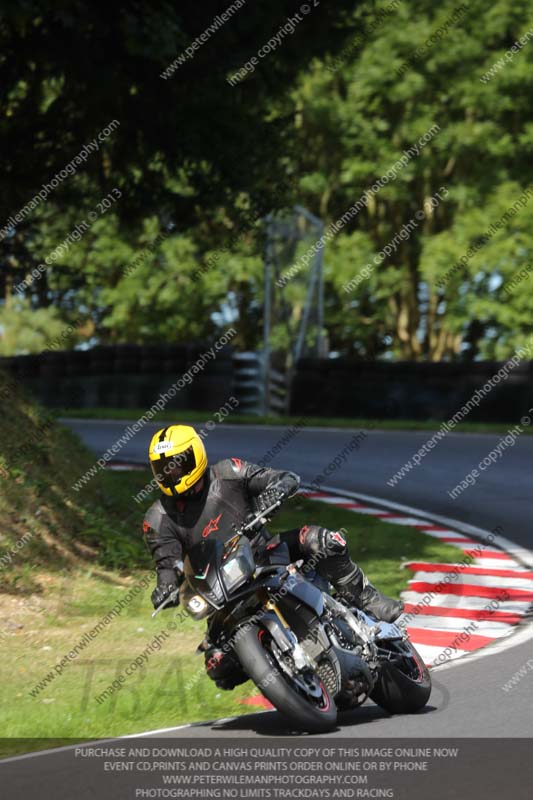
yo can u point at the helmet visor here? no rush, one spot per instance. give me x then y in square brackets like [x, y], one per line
[169, 470]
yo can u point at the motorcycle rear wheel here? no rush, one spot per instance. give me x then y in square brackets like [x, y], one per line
[315, 715]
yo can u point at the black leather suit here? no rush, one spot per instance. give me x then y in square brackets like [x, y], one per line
[230, 493]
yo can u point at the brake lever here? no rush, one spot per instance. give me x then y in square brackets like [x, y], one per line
[170, 599]
[262, 516]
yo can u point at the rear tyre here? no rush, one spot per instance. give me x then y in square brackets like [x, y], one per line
[316, 715]
[404, 685]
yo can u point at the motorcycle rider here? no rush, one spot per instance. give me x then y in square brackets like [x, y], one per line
[197, 500]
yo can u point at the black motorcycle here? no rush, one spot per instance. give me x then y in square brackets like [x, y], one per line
[310, 654]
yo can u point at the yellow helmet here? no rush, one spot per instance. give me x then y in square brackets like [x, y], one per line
[178, 458]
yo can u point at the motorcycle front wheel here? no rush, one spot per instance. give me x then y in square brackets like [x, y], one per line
[303, 699]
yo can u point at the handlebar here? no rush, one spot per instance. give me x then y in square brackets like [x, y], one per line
[260, 518]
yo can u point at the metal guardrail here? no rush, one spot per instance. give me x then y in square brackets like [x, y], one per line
[257, 392]
[278, 390]
[248, 382]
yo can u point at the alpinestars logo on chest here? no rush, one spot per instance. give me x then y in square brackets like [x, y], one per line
[211, 526]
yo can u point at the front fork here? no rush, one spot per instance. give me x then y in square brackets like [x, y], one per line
[284, 637]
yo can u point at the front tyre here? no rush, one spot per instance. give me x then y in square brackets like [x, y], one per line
[404, 684]
[259, 659]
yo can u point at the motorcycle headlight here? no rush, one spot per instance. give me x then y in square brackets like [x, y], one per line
[197, 606]
[236, 572]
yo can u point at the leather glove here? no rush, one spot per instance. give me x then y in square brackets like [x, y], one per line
[261, 503]
[161, 592]
[270, 496]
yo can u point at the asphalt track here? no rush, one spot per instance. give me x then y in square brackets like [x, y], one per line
[468, 699]
[502, 496]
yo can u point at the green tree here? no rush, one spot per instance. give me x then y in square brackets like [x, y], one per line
[188, 148]
[23, 330]
[356, 116]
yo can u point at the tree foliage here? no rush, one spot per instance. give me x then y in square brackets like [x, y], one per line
[357, 119]
[319, 121]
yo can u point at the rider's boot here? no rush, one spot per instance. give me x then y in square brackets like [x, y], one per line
[358, 591]
[335, 564]
[223, 668]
